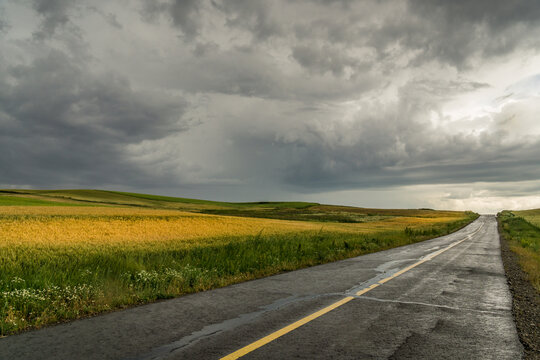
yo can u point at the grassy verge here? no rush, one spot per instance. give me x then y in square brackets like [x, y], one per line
[44, 282]
[519, 251]
[523, 239]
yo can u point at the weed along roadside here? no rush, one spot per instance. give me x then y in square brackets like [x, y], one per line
[520, 249]
[65, 262]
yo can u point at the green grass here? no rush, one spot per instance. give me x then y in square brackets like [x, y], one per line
[170, 198]
[22, 201]
[524, 239]
[260, 204]
[45, 284]
[277, 204]
[298, 213]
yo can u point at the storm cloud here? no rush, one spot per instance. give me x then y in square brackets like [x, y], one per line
[250, 100]
[62, 124]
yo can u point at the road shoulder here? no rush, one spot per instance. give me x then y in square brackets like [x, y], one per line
[525, 301]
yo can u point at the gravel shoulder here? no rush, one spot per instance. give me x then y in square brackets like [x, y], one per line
[525, 302]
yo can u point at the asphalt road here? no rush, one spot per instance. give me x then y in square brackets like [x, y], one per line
[445, 298]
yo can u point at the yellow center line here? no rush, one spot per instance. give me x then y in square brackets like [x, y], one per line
[265, 340]
[287, 329]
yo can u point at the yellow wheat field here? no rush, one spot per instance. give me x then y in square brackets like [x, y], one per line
[102, 226]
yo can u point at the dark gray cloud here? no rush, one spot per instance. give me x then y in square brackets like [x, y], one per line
[4, 24]
[257, 17]
[109, 17]
[498, 15]
[458, 31]
[327, 58]
[62, 124]
[54, 14]
[245, 72]
[452, 32]
[184, 14]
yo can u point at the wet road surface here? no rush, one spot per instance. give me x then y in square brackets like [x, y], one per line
[444, 298]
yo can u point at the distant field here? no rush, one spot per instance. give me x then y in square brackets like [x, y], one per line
[117, 198]
[66, 261]
[25, 201]
[532, 216]
[522, 230]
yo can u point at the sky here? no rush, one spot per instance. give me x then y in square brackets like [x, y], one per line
[394, 104]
